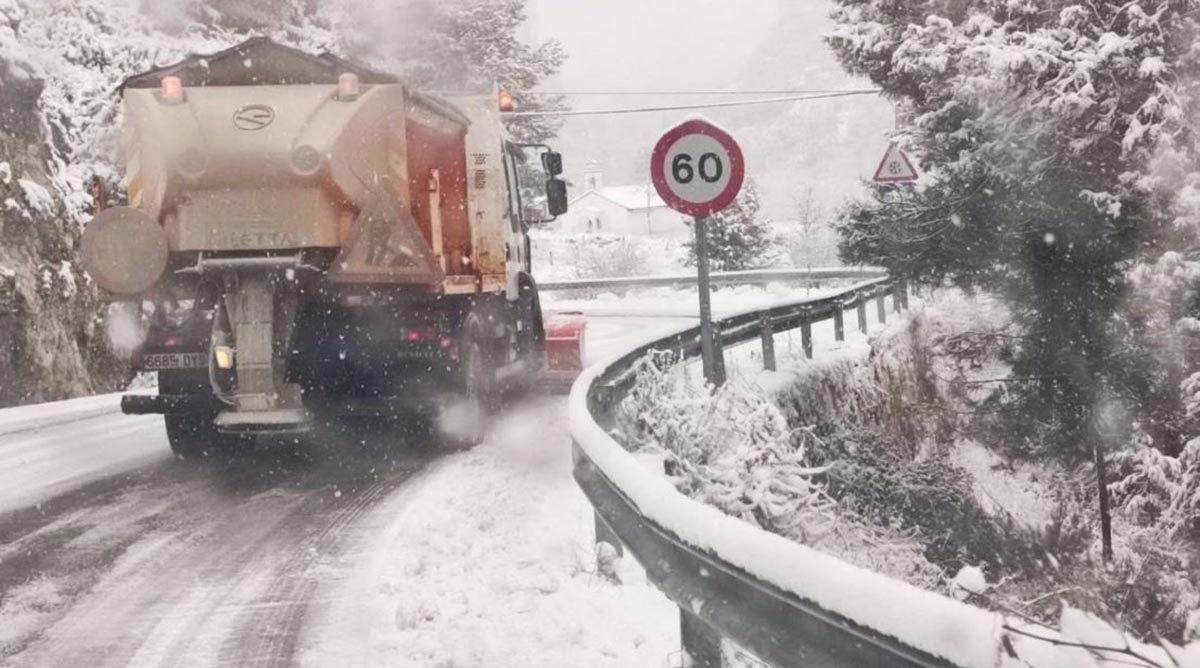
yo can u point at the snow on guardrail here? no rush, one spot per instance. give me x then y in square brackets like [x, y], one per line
[717, 278]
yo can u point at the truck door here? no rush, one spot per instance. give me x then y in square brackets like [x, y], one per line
[517, 248]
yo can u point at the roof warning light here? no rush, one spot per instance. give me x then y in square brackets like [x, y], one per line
[507, 103]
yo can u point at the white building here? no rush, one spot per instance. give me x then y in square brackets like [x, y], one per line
[630, 210]
[626, 210]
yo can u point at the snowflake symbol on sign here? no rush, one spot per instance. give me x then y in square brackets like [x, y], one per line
[895, 167]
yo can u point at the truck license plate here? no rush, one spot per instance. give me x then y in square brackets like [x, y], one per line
[159, 361]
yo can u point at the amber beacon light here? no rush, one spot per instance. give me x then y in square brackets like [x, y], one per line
[507, 103]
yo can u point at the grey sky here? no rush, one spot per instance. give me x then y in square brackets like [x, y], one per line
[642, 44]
[638, 45]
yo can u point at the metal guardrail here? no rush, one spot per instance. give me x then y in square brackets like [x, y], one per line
[784, 603]
[718, 278]
[778, 626]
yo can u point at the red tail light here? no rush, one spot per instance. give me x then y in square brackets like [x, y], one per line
[348, 87]
[172, 90]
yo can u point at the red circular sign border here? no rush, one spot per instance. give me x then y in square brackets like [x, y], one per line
[737, 166]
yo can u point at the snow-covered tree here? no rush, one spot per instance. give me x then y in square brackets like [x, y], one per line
[461, 45]
[1055, 137]
[738, 237]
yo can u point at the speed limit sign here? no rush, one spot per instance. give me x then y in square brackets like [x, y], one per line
[697, 168]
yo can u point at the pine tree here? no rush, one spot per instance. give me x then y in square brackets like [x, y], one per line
[738, 238]
[1047, 131]
[1057, 137]
[464, 46]
[467, 46]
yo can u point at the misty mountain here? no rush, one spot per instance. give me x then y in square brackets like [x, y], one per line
[828, 145]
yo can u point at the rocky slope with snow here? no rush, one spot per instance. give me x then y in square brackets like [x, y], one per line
[48, 315]
[60, 66]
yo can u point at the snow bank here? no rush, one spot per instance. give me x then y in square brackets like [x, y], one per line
[487, 560]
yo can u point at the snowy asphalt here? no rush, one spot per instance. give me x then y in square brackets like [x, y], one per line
[114, 554]
[174, 564]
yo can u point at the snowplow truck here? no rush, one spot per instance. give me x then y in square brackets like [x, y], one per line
[307, 239]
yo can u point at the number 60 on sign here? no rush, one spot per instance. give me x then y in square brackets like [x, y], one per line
[697, 168]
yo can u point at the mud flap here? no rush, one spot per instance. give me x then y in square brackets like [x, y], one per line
[564, 350]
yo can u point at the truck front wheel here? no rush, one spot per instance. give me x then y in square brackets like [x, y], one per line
[195, 438]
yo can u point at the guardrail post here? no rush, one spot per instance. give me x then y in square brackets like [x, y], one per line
[606, 535]
[718, 360]
[806, 334]
[881, 307]
[902, 295]
[861, 307]
[839, 322]
[701, 644]
[767, 333]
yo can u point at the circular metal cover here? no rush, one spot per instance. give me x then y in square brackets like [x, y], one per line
[124, 250]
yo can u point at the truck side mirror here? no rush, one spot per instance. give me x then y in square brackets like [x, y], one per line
[552, 162]
[556, 197]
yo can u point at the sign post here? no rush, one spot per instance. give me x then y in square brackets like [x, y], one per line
[698, 170]
[711, 354]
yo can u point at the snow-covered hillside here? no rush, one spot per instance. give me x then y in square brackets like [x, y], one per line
[61, 63]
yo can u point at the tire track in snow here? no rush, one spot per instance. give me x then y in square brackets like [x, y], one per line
[276, 634]
[179, 565]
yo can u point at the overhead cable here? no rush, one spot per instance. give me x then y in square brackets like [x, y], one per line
[682, 107]
[673, 93]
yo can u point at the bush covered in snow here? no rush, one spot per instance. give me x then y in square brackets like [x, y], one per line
[1158, 491]
[607, 257]
[858, 457]
[566, 256]
[733, 448]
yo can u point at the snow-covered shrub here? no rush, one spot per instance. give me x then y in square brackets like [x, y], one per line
[1158, 491]
[931, 498]
[885, 391]
[733, 448]
[730, 446]
[607, 257]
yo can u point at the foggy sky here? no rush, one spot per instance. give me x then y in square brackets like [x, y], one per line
[639, 45]
[646, 44]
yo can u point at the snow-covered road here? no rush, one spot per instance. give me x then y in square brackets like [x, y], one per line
[113, 554]
[488, 561]
[50, 449]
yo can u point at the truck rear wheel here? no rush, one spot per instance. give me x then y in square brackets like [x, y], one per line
[195, 438]
[460, 422]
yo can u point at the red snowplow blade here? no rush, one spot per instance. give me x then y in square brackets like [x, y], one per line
[564, 349]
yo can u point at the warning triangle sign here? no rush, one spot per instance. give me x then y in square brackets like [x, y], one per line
[895, 167]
